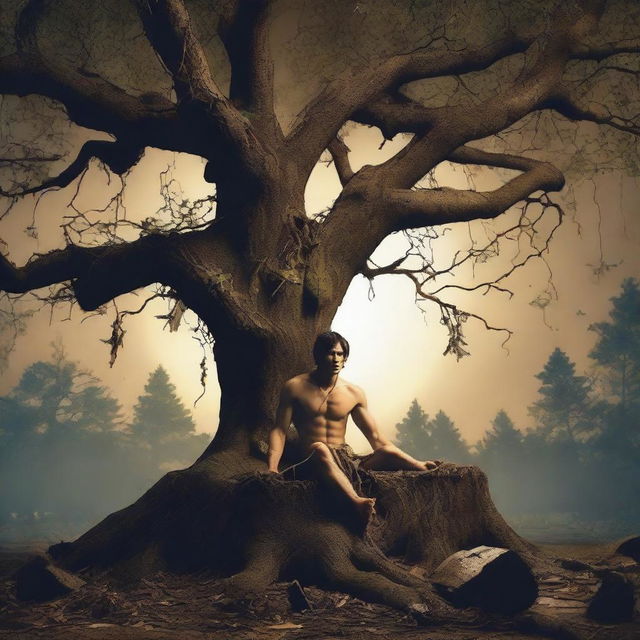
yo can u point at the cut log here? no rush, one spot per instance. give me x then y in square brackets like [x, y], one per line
[614, 600]
[491, 578]
[40, 580]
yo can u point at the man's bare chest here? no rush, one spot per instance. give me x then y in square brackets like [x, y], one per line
[313, 404]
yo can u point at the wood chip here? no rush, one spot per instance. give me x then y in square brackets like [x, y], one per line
[285, 625]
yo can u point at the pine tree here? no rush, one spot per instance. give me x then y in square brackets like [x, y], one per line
[164, 427]
[501, 456]
[159, 415]
[564, 407]
[446, 440]
[503, 440]
[617, 350]
[413, 432]
[617, 448]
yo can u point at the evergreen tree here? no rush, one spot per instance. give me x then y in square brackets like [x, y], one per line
[617, 350]
[164, 427]
[446, 440]
[159, 415]
[412, 434]
[564, 407]
[502, 442]
[617, 447]
[501, 456]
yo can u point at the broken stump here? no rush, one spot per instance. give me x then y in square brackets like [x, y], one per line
[40, 580]
[494, 579]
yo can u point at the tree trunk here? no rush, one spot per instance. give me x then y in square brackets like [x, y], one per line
[227, 515]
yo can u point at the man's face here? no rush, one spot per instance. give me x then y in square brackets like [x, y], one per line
[334, 359]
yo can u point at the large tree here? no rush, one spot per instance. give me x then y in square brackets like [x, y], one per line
[472, 84]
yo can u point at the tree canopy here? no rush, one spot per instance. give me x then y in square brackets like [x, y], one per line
[230, 85]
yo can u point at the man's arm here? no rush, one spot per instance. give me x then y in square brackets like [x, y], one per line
[366, 423]
[278, 434]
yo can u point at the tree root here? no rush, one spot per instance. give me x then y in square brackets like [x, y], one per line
[258, 528]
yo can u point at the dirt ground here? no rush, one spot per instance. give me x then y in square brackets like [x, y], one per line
[169, 607]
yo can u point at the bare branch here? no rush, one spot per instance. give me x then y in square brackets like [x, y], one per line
[451, 316]
[597, 112]
[117, 156]
[339, 152]
[601, 52]
[169, 30]
[347, 94]
[243, 30]
[423, 273]
[427, 207]
[97, 274]
[29, 159]
[394, 114]
[90, 100]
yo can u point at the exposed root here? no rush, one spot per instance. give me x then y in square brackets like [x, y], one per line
[259, 528]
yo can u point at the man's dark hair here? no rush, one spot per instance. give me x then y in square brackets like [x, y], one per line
[325, 342]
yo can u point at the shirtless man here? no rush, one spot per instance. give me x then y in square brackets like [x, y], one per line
[319, 404]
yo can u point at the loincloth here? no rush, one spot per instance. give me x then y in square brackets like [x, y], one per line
[347, 460]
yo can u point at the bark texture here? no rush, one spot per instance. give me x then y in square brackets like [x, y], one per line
[256, 528]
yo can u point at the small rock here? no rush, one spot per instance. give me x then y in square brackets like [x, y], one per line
[614, 600]
[40, 580]
[491, 578]
[630, 548]
[575, 565]
[421, 614]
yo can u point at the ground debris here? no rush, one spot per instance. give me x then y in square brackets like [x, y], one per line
[194, 607]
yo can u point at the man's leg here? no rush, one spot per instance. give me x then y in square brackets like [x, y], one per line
[331, 473]
[391, 458]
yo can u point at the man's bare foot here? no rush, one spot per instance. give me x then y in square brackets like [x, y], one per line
[366, 508]
[430, 465]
